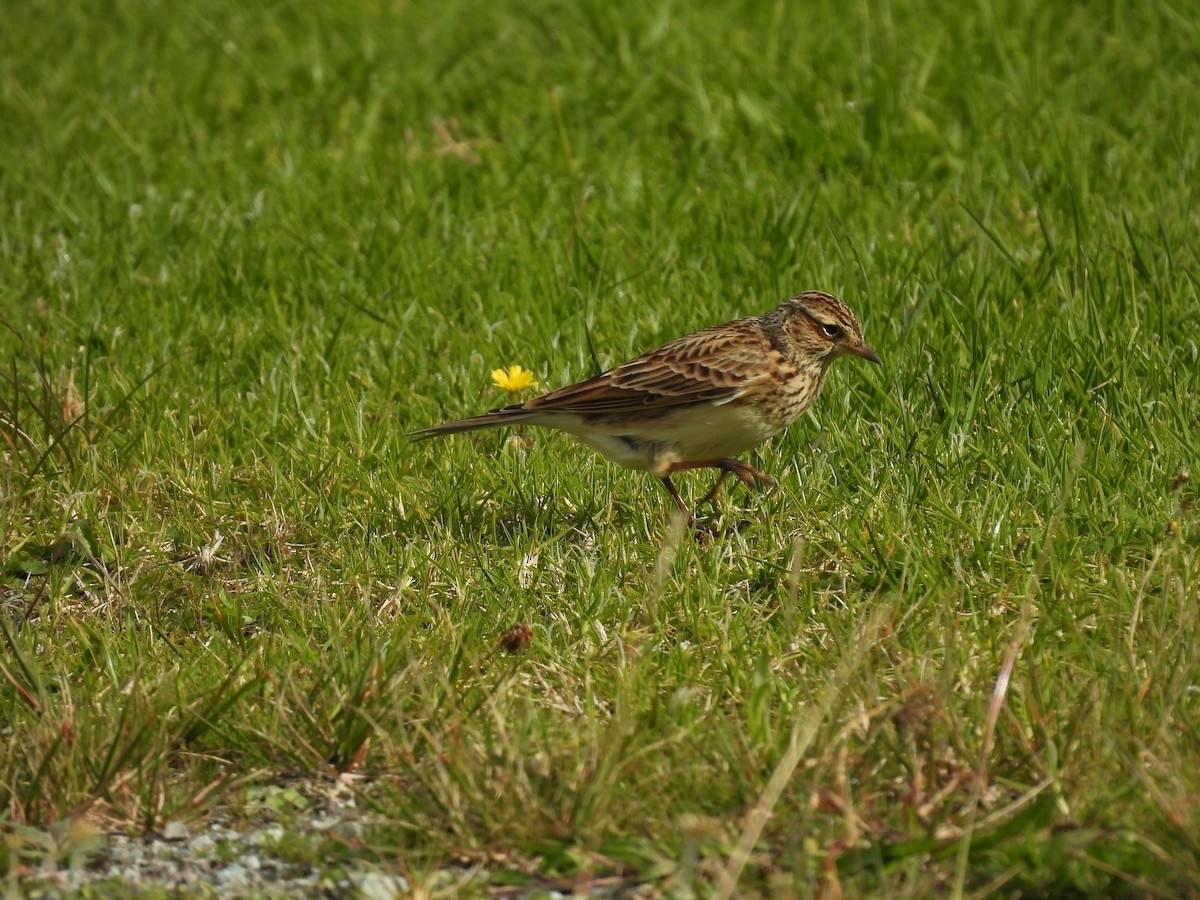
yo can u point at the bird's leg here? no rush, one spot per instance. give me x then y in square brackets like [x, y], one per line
[745, 472]
[670, 485]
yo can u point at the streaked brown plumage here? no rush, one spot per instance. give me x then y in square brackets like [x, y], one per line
[701, 399]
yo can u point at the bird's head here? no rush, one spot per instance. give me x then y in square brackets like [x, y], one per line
[820, 326]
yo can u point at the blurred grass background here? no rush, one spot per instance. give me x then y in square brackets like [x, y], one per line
[245, 247]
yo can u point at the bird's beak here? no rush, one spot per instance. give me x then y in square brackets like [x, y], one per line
[865, 352]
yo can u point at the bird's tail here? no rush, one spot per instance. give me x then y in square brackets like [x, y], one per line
[507, 415]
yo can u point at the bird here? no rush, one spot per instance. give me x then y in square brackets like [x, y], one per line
[700, 400]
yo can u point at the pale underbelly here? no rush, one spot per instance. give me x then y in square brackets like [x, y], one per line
[688, 435]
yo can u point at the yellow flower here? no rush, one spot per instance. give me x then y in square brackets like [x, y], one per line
[513, 379]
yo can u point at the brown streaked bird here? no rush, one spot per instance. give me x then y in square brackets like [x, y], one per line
[700, 400]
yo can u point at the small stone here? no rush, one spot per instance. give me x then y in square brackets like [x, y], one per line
[175, 831]
[272, 834]
[234, 875]
[251, 862]
[377, 886]
[203, 844]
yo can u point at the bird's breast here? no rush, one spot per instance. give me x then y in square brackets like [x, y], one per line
[792, 391]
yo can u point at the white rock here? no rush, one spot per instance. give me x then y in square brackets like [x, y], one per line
[234, 875]
[272, 834]
[377, 886]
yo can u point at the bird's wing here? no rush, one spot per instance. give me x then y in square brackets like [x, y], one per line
[714, 365]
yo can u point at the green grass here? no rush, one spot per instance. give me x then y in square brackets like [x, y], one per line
[246, 247]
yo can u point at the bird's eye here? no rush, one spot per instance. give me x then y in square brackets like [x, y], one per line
[831, 331]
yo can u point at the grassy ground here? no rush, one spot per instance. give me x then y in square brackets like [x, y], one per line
[245, 247]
